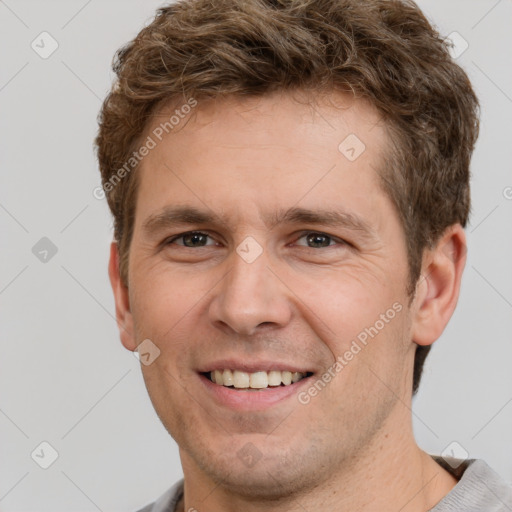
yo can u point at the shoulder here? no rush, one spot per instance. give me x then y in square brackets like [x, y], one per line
[479, 488]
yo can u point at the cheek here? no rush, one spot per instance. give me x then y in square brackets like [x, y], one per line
[161, 298]
[163, 309]
[347, 300]
[366, 327]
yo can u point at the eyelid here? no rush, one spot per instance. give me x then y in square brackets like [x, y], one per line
[297, 236]
[172, 238]
[336, 239]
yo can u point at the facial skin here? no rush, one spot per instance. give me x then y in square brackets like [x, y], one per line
[299, 303]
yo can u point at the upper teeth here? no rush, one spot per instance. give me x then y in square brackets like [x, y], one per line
[257, 380]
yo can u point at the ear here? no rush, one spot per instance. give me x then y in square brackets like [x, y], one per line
[437, 290]
[123, 314]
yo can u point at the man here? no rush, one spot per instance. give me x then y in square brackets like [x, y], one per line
[289, 182]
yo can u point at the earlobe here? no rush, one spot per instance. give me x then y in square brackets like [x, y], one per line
[122, 300]
[437, 291]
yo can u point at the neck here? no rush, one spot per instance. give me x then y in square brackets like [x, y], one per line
[392, 474]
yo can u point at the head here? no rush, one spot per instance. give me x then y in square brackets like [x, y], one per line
[265, 94]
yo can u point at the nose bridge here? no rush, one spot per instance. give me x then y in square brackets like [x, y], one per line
[250, 294]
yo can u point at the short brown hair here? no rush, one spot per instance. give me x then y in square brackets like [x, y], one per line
[385, 51]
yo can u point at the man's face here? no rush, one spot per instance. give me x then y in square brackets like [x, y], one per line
[273, 281]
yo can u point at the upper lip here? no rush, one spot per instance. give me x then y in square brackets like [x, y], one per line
[252, 366]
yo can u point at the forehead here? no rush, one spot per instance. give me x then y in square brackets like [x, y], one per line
[302, 113]
[277, 150]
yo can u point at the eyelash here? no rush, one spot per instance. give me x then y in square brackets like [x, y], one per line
[302, 235]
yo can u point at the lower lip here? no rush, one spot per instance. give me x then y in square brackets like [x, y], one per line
[242, 400]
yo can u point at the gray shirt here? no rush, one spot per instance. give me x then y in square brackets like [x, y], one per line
[480, 489]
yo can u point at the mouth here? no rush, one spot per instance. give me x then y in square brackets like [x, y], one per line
[253, 385]
[254, 381]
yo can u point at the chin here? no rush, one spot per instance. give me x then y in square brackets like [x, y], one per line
[263, 484]
[271, 477]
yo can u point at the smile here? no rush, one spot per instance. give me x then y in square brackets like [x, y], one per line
[256, 380]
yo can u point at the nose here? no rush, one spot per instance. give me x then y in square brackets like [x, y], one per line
[250, 298]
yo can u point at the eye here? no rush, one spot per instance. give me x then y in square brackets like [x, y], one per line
[312, 240]
[315, 240]
[191, 239]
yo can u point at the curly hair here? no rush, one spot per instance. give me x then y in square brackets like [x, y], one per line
[385, 51]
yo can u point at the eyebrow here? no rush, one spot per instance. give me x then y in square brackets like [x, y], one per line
[189, 215]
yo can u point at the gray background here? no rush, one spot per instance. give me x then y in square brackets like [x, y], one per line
[65, 377]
